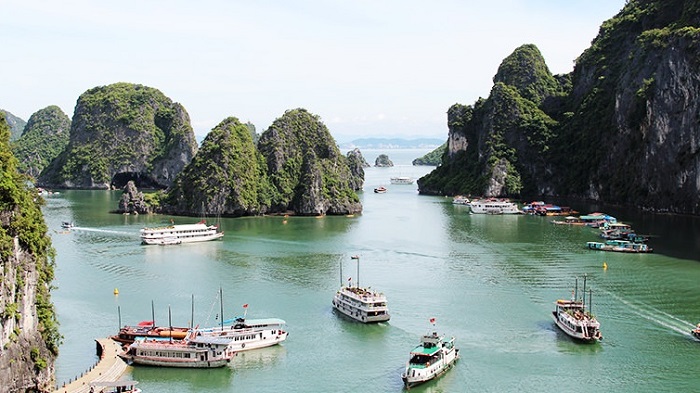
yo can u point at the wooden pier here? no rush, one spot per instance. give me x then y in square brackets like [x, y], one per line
[110, 367]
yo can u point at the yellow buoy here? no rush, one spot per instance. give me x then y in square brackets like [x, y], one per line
[605, 266]
[116, 291]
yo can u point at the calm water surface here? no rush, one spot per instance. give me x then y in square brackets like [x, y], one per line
[488, 280]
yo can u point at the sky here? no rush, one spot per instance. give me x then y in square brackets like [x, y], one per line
[367, 68]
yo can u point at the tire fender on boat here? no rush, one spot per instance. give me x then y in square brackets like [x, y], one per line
[243, 345]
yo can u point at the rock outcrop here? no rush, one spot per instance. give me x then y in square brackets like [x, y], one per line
[621, 128]
[44, 138]
[16, 124]
[29, 337]
[310, 175]
[296, 168]
[433, 158]
[123, 132]
[383, 160]
[227, 177]
[133, 201]
[357, 164]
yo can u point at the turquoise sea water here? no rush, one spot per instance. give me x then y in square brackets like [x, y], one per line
[488, 280]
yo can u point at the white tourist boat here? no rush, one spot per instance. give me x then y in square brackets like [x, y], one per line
[460, 200]
[494, 206]
[573, 319]
[361, 304]
[176, 234]
[401, 180]
[245, 334]
[192, 352]
[431, 358]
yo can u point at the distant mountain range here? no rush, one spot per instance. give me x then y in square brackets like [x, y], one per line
[392, 143]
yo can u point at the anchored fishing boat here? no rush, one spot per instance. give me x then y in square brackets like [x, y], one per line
[573, 319]
[147, 329]
[361, 304]
[176, 234]
[431, 358]
[620, 246]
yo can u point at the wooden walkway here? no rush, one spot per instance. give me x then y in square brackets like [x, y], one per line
[110, 367]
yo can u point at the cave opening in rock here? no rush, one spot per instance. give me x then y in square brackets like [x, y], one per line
[140, 180]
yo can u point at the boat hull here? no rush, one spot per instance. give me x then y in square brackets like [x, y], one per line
[574, 334]
[145, 361]
[253, 340]
[415, 376]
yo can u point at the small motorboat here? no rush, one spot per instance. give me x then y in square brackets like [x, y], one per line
[696, 332]
[67, 225]
[380, 190]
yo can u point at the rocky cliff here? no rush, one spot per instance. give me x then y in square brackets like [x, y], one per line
[29, 337]
[123, 132]
[621, 128]
[310, 175]
[227, 177]
[44, 138]
[16, 124]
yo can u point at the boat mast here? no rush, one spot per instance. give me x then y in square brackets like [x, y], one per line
[590, 301]
[119, 313]
[583, 298]
[576, 290]
[221, 301]
[341, 274]
[153, 314]
[358, 269]
[192, 317]
[170, 323]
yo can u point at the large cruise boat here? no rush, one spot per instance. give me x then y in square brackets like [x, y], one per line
[573, 319]
[244, 334]
[431, 358]
[494, 206]
[195, 352]
[361, 304]
[401, 180]
[176, 234]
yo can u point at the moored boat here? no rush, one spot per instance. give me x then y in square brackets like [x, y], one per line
[380, 190]
[191, 352]
[176, 234]
[460, 200]
[147, 329]
[67, 224]
[433, 356]
[573, 319]
[401, 180]
[494, 206]
[361, 304]
[114, 387]
[245, 334]
[620, 246]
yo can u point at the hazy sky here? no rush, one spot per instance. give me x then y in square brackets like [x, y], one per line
[366, 67]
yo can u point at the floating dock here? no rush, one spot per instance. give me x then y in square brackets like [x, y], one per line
[110, 367]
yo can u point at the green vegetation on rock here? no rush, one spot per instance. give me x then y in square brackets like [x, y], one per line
[45, 136]
[433, 158]
[123, 132]
[16, 124]
[21, 219]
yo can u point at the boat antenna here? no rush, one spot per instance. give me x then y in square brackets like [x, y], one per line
[357, 284]
[170, 323]
[153, 314]
[221, 301]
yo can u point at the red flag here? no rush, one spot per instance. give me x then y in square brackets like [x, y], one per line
[349, 278]
[432, 320]
[245, 305]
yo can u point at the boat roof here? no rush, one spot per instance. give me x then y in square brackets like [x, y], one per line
[421, 350]
[259, 321]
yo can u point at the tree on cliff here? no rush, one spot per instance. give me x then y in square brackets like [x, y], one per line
[29, 339]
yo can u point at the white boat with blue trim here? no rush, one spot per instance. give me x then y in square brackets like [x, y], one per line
[431, 358]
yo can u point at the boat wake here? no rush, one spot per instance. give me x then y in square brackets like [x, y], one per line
[103, 231]
[653, 314]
